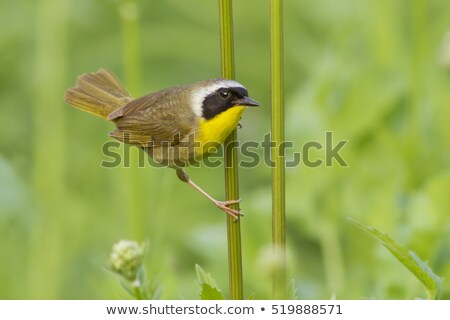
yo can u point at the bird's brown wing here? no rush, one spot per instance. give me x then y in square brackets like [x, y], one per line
[154, 119]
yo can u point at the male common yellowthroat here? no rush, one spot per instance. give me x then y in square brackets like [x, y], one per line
[175, 126]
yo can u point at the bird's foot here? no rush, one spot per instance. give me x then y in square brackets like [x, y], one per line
[223, 205]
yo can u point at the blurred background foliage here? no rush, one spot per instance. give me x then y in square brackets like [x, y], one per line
[374, 72]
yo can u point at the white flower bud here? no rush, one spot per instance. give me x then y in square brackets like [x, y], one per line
[126, 259]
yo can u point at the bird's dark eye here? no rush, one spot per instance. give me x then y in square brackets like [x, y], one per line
[224, 94]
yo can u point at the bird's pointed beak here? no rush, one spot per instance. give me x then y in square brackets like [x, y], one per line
[246, 101]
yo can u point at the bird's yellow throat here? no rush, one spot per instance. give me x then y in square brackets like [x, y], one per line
[218, 128]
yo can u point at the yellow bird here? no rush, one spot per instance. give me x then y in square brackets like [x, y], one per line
[175, 126]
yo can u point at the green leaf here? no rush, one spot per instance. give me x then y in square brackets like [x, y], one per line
[251, 296]
[409, 259]
[204, 277]
[210, 293]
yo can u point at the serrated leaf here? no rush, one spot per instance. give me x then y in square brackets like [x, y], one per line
[409, 259]
[210, 293]
[204, 277]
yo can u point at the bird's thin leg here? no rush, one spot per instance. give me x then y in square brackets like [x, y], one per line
[223, 205]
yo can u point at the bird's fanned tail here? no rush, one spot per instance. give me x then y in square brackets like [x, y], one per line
[98, 93]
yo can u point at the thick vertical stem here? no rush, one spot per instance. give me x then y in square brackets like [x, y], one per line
[129, 14]
[231, 169]
[48, 150]
[133, 181]
[278, 171]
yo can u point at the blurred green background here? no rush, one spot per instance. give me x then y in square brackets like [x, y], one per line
[373, 72]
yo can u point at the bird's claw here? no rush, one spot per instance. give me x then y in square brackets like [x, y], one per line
[223, 205]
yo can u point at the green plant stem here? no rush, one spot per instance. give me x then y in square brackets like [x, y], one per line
[230, 154]
[49, 149]
[129, 15]
[278, 171]
[132, 178]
